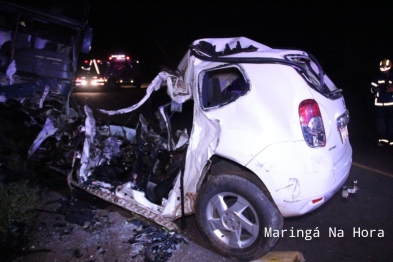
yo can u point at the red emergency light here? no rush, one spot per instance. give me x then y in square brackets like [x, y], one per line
[119, 57]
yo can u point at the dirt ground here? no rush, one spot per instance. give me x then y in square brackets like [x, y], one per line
[75, 226]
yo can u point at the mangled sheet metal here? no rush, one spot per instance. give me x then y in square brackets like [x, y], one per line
[177, 90]
[205, 132]
[203, 140]
[141, 169]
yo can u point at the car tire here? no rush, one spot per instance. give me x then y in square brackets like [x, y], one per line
[232, 212]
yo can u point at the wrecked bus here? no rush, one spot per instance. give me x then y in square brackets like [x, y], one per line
[269, 139]
[39, 50]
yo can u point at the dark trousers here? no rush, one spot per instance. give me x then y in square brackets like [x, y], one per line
[385, 122]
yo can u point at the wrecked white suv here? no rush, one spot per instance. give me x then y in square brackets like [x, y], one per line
[269, 140]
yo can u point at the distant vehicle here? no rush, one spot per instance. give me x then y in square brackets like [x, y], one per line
[89, 77]
[89, 82]
[122, 70]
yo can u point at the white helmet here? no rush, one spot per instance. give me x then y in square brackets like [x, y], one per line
[385, 65]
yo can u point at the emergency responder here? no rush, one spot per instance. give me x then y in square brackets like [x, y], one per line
[382, 88]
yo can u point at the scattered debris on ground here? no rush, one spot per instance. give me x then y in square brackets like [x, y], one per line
[70, 228]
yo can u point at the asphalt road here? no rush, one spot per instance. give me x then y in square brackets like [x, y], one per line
[357, 228]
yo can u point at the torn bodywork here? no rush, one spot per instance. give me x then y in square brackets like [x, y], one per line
[135, 168]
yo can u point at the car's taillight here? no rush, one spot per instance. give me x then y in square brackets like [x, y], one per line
[311, 123]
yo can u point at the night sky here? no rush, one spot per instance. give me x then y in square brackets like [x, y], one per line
[348, 38]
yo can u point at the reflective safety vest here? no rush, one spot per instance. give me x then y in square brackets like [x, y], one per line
[383, 98]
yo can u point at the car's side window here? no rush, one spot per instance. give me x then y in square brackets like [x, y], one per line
[222, 86]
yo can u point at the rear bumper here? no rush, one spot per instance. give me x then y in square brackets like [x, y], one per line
[313, 201]
[315, 192]
[299, 185]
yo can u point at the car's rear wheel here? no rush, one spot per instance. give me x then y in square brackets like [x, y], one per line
[233, 213]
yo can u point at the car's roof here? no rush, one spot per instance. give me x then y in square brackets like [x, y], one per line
[248, 48]
[221, 43]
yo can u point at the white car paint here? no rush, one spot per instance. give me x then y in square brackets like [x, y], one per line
[260, 130]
